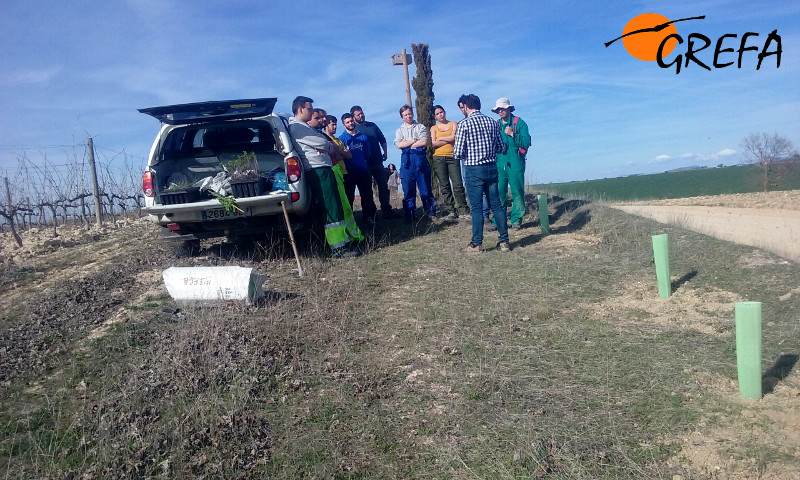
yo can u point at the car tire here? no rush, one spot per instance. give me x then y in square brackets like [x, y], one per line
[180, 248]
[186, 249]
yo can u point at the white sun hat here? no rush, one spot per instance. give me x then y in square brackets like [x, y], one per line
[503, 102]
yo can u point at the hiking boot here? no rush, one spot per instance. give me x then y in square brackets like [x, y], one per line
[473, 249]
[504, 246]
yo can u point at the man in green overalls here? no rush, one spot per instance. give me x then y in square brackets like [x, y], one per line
[511, 164]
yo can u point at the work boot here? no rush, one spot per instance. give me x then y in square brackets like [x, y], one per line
[472, 249]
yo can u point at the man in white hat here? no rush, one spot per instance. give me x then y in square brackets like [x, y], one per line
[511, 164]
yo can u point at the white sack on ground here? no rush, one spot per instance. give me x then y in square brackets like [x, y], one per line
[213, 284]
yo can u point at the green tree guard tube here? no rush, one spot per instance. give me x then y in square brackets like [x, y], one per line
[661, 257]
[544, 217]
[748, 348]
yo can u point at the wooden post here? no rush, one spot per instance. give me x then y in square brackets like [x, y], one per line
[291, 239]
[408, 85]
[98, 205]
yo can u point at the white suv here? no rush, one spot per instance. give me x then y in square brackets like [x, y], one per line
[196, 144]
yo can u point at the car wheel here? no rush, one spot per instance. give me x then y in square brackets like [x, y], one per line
[180, 248]
[186, 249]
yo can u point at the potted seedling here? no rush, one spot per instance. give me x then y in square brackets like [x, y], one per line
[246, 180]
[182, 191]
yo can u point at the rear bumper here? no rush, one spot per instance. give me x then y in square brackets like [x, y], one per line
[262, 205]
[262, 214]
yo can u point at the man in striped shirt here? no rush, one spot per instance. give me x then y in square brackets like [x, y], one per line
[478, 142]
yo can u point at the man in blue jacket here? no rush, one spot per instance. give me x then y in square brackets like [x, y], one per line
[377, 143]
[358, 174]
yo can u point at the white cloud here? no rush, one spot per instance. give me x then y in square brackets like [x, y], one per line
[27, 77]
[727, 152]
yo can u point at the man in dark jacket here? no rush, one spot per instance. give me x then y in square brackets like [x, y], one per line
[377, 144]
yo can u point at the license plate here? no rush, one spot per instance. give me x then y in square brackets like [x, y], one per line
[222, 214]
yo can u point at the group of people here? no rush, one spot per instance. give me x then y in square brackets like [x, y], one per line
[336, 166]
[492, 153]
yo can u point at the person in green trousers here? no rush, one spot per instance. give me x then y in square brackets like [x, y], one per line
[330, 125]
[315, 151]
[511, 164]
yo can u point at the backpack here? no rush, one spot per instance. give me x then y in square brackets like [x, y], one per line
[522, 151]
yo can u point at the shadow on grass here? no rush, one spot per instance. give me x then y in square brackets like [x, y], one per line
[271, 297]
[387, 232]
[562, 207]
[685, 278]
[311, 244]
[781, 369]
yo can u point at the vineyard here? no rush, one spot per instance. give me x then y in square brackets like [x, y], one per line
[47, 193]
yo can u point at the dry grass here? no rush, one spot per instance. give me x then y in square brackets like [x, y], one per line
[556, 360]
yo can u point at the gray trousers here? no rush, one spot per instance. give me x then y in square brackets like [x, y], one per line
[448, 170]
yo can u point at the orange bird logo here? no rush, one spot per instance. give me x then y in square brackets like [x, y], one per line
[644, 34]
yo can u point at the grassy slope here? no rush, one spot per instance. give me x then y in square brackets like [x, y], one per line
[688, 183]
[412, 361]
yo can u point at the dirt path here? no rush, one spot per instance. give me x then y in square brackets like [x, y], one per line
[770, 221]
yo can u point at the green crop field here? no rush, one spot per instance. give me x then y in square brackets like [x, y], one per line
[686, 183]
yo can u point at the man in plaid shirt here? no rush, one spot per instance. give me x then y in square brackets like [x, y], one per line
[477, 144]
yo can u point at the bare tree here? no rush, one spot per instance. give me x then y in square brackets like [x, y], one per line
[765, 149]
[43, 191]
[10, 207]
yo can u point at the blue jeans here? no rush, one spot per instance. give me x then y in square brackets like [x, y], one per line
[481, 180]
[415, 173]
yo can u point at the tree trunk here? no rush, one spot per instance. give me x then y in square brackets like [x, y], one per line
[423, 87]
[13, 227]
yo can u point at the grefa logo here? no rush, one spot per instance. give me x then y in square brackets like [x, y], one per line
[651, 36]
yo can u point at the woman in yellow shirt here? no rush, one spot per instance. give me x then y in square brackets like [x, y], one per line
[446, 168]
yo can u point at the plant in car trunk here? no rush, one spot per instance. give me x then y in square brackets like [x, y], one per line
[229, 202]
[243, 167]
[179, 186]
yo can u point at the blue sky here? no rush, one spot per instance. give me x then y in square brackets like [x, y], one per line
[82, 68]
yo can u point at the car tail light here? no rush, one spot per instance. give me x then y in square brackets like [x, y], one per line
[147, 184]
[173, 227]
[295, 196]
[293, 170]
